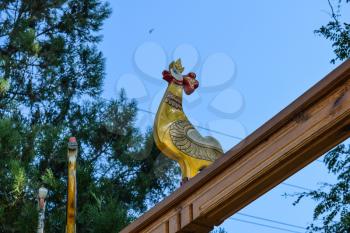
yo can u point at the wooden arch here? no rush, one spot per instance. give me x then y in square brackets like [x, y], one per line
[311, 125]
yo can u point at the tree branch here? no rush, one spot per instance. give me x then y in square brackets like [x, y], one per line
[334, 15]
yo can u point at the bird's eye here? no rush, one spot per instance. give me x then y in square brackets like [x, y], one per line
[175, 71]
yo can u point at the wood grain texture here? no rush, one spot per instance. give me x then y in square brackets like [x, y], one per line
[314, 123]
[72, 191]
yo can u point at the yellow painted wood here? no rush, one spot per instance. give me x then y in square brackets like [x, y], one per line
[72, 187]
[167, 115]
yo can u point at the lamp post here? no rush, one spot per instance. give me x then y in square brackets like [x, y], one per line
[72, 185]
[41, 206]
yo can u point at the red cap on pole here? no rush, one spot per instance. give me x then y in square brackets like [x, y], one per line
[72, 139]
[72, 143]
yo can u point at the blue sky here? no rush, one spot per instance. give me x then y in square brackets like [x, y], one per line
[252, 59]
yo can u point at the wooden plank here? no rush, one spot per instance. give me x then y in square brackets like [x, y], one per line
[162, 228]
[303, 131]
[175, 223]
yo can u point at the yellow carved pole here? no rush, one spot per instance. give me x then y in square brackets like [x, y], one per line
[72, 185]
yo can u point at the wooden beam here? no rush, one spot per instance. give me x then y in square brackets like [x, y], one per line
[310, 126]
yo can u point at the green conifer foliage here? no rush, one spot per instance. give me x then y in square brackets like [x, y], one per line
[51, 76]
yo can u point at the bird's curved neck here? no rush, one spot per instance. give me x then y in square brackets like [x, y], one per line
[176, 89]
[170, 110]
[173, 96]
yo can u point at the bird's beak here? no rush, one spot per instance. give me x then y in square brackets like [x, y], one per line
[190, 84]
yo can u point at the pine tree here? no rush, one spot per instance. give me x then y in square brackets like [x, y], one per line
[51, 76]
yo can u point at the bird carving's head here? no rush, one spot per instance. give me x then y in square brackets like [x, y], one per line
[174, 74]
[176, 69]
[190, 83]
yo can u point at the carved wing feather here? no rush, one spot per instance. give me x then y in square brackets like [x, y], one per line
[187, 139]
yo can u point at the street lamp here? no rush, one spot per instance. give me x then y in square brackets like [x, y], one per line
[42, 194]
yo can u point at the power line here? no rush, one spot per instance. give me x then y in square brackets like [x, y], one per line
[207, 129]
[201, 127]
[198, 126]
[223, 134]
[235, 137]
[218, 132]
[264, 225]
[270, 220]
[296, 186]
[146, 111]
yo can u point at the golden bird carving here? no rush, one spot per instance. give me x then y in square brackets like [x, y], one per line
[174, 135]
